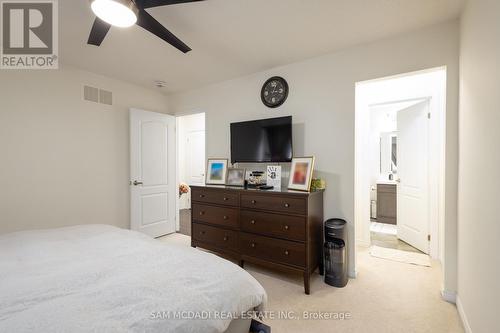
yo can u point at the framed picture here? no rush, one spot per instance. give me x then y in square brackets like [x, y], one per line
[235, 177]
[216, 171]
[301, 173]
[274, 176]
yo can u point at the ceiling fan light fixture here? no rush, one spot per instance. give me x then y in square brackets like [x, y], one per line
[119, 13]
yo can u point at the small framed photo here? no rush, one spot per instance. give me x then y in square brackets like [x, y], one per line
[216, 171]
[235, 177]
[301, 173]
[274, 176]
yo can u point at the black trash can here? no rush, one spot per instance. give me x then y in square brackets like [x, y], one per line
[335, 253]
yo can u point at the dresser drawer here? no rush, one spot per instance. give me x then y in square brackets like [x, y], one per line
[214, 196]
[275, 225]
[274, 203]
[271, 249]
[221, 238]
[215, 215]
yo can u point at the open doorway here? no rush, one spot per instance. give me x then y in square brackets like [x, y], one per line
[400, 198]
[399, 176]
[190, 164]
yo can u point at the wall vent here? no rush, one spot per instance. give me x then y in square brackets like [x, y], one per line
[105, 97]
[91, 94]
[97, 95]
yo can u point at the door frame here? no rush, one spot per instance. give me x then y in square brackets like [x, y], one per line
[435, 216]
[437, 140]
[436, 188]
[188, 146]
[177, 175]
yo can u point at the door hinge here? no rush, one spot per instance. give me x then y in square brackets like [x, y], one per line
[428, 115]
[429, 238]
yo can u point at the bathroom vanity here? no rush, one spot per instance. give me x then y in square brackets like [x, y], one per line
[387, 202]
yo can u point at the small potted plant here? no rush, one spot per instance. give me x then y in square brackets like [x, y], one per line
[183, 188]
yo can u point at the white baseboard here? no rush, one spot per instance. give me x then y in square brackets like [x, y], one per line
[352, 274]
[462, 315]
[449, 296]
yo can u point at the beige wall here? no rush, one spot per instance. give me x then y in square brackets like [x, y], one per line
[321, 101]
[65, 161]
[479, 183]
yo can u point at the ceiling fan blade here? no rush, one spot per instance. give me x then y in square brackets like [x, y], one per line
[98, 32]
[157, 3]
[149, 23]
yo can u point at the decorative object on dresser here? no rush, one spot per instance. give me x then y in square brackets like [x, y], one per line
[216, 171]
[318, 184]
[256, 179]
[274, 176]
[278, 229]
[235, 177]
[387, 203]
[301, 173]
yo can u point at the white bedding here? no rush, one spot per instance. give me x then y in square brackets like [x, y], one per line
[99, 278]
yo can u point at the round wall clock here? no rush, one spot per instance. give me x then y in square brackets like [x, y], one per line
[274, 92]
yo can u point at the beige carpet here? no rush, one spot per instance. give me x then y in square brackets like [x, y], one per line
[386, 297]
[400, 256]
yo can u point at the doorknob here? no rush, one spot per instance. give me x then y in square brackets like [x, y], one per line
[135, 183]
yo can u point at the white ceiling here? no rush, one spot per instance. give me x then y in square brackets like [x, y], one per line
[232, 38]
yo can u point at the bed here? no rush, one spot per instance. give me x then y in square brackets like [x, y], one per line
[101, 278]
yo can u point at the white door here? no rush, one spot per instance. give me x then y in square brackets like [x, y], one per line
[152, 172]
[413, 180]
[196, 157]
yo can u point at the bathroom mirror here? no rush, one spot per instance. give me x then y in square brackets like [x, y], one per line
[388, 153]
[394, 153]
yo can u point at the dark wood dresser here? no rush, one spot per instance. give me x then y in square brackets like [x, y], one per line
[277, 229]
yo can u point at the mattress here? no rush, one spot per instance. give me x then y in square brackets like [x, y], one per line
[104, 279]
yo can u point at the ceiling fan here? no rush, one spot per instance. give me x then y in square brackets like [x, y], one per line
[125, 13]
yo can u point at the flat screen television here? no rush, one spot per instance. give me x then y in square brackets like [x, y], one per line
[265, 140]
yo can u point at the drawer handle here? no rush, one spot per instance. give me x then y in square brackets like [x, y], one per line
[225, 238]
[225, 217]
[202, 232]
[202, 213]
[287, 205]
[286, 252]
[253, 221]
[254, 202]
[226, 199]
[287, 227]
[202, 195]
[252, 245]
